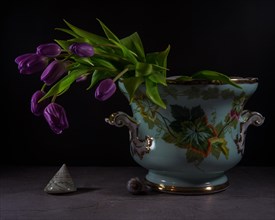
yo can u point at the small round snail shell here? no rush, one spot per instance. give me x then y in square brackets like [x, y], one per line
[136, 186]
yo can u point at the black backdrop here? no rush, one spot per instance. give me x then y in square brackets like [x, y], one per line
[232, 37]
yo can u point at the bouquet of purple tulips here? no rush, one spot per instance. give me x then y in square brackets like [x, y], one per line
[102, 59]
[86, 54]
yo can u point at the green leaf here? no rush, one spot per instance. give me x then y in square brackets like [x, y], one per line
[103, 63]
[134, 43]
[93, 38]
[143, 69]
[131, 85]
[79, 40]
[213, 75]
[159, 61]
[158, 77]
[100, 75]
[67, 31]
[110, 35]
[182, 79]
[64, 83]
[128, 54]
[112, 57]
[159, 58]
[153, 93]
[156, 73]
[83, 60]
[63, 43]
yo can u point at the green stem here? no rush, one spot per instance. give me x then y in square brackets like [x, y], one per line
[53, 98]
[120, 74]
[66, 58]
[43, 87]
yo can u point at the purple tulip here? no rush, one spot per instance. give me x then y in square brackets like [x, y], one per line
[53, 72]
[56, 117]
[22, 57]
[48, 50]
[37, 108]
[31, 63]
[81, 78]
[105, 89]
[82, 49]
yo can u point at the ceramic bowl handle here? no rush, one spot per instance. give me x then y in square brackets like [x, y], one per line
[247, 118]
[138, 146]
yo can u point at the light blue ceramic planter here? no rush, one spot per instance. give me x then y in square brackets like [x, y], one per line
[188, 147]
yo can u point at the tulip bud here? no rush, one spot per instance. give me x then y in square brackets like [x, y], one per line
[81, 78]
[56, 117]
[37, 108]
[53, 72]
[22, 57]
[31, 63]
[49, 50]
[82, 49]
[105, 89]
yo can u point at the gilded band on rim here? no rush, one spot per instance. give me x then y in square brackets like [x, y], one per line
[239, 80]
[187, 190]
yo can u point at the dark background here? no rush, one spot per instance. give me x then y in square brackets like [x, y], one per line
[232, 37]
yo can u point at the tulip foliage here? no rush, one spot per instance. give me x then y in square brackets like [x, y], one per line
[103, 60]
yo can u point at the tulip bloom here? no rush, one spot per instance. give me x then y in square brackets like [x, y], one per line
[81, 78]
[105, 89]
[56, 117]
[31, 63]
[22, 57]
[82, 49]
[37, 108]
[53, 72]
[49, 50]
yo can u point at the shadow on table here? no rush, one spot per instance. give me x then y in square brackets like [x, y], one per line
[80, 190]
